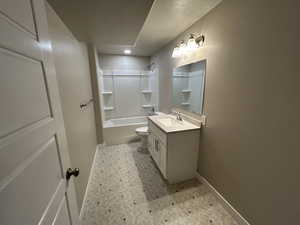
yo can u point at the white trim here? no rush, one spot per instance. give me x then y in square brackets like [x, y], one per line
[234, 213]
[146, 91]
[108, 108]
[107, 92]
[90, 177]
[147, 106]
[185, 103]
[186, 91]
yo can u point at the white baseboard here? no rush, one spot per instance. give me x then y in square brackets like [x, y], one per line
[86, 189]
[101, 145]
[233, 212]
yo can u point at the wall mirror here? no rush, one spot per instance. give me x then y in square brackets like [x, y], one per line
[188, 87]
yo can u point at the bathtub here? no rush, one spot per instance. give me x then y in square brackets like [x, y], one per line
[122, 130]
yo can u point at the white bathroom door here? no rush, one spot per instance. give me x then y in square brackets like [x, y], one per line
[33, 145]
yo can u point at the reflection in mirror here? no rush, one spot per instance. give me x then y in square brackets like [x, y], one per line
[188, 86]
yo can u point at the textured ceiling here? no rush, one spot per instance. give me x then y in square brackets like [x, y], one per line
[141, 25]
[167, 19]
[104, 22]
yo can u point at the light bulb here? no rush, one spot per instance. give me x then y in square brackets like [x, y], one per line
[191, 44]
[176, 52]
[182, 48]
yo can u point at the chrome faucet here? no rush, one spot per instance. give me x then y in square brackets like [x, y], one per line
[178, 116]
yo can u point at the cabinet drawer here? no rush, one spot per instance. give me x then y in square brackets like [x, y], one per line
[158, 133]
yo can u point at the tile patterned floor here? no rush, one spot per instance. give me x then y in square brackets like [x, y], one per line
[127, 188]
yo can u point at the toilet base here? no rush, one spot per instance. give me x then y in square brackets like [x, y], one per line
[142, 132]
[144, 142]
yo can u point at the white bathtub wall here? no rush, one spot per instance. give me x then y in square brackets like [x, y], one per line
[127, 96]
[124, 93]
[190, 77]
[120, 135]
[125, 121]
[107, 86]
[151, 84]
[180, 82]
[118, 131]
[127, 77]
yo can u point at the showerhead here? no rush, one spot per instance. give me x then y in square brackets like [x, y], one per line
[151, 66]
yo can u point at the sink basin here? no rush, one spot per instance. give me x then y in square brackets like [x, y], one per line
[169, 122]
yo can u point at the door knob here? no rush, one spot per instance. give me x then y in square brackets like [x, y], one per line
[72, 172]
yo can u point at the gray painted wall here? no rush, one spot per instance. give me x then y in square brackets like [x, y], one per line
[107, 62]
[94, 68]
[73, 74]
[249, 150]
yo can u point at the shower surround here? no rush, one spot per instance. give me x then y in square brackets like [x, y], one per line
[129, 91]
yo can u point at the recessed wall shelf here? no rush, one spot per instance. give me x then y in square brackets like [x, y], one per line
[146, 91]
[127, 91]
[186, 91]
[147, 106]
[107, 92]
[181, 76]
[185, 103]
[108, 108]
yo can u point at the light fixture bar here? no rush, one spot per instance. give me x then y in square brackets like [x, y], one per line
[191, 45]
[200, 40]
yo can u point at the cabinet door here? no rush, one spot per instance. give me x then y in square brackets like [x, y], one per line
[151, 143]
[154, 149]
[163, 159]
[157, 152]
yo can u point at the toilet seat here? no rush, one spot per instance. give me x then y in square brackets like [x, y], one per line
[142, 131]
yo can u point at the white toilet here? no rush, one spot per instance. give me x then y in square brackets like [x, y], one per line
[142, 132]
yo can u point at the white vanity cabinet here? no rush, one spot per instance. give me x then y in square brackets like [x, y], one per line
[174, 152]
[158, 147]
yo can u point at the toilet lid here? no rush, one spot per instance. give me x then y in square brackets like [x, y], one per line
[142, 129]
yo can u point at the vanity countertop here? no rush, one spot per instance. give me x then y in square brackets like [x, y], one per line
[169, 123]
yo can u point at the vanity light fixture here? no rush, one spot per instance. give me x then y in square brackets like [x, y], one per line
[192, 44]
